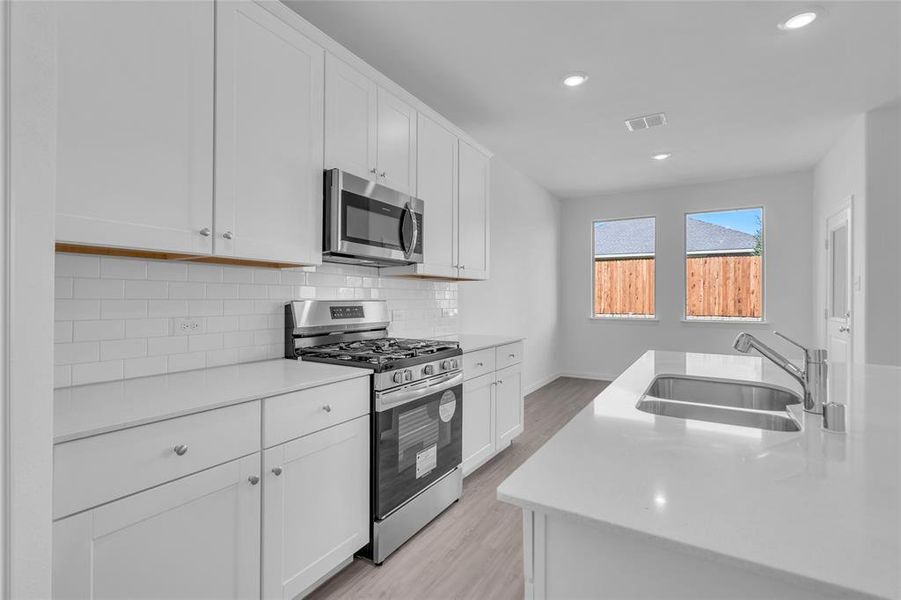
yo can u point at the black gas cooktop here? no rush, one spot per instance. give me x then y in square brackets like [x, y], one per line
[382, 354]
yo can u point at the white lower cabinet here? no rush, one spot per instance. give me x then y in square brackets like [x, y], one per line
[195, 537]
[315, 506]
[492, 403]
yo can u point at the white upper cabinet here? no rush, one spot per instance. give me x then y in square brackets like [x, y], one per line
[350, 120]
[473, 221]
[269, 137]
[396, 143]
[436, 182]
[368, 131]
[134, 154]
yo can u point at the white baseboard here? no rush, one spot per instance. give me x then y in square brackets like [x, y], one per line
[597, 376]
[540, 384]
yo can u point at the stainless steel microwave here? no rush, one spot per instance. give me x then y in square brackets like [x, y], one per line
[368, 223]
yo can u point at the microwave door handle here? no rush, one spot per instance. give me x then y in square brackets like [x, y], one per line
[411, 247]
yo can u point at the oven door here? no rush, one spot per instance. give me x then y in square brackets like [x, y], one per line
[418, 438]
[371, 221]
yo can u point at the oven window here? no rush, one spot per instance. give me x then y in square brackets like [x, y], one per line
[416, 444]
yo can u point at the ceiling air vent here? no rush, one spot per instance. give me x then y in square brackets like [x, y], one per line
[646, 122]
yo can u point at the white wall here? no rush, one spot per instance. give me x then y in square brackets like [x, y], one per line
[116, 317]
[883, 301]
[521, 297]
[840, 175]
[604, 348]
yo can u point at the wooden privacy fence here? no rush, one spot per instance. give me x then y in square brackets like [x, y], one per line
[716, 286]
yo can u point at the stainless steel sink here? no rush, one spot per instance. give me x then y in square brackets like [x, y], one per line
[745, 404]
[721, 393]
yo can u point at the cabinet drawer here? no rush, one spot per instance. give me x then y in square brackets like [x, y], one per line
[509, 354]
[292, 415]
[478, 363]
[98, 469]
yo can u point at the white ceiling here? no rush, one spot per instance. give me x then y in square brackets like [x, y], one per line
[741, 96]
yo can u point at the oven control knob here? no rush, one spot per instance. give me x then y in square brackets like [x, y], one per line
[445, 365]
[428, 370]
[455, 364]
[408, 375]
[398, 377]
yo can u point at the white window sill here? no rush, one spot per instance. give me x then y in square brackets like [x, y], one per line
[624, 319]
[741, 322]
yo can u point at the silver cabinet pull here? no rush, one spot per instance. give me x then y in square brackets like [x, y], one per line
[844, 329]
[253, 479]
[277, 471]
[479, 364]
[512, 355]
[383, 174]
[228, 235]
[327, 408]
[373, 170]
[181, 449]
[500, 381]
[205, 232]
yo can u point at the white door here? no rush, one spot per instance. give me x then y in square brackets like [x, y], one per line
[196, 537]
[396, 143]
[473, 221]
[478, 421]
[350, 120]
[269, 129]
[436, 181]
[315, 506]
[839, 274]
[509, 411]
[134, 153]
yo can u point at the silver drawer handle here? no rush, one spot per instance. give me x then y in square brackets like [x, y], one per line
[844, 329]
[228, 235]
[253, 479]
[383, 174]
[512, 355]
[480, 364]
[277, 471]
[327, 408]
[500, 381]
[181, 449]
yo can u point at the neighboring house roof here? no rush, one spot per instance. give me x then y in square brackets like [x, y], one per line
[636, 236]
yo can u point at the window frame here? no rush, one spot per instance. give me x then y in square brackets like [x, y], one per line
[632, 318]
[763, 271]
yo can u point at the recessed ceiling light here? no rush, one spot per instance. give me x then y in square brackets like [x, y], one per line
[575, 79]
[661, 155]
[799, 20]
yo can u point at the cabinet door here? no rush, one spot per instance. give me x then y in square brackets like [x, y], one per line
[473, 221]
[315, 506]
[509, 411]
[350, 120]
[478, 421]
[196, 537]
[436, 181]
[269, 120]
[134, 148]
[396, 143]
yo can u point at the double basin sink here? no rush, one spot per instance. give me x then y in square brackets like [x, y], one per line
[739, 403]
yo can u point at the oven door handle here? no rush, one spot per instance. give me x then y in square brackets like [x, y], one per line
[400, 396]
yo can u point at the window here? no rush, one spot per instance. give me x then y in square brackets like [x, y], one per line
[724, 265]
[623, 268]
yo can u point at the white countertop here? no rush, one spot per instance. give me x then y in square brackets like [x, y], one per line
[86, 410]
[470, 342]
[812, 504]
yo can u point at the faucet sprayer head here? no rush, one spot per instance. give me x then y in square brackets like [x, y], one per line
[742, 343]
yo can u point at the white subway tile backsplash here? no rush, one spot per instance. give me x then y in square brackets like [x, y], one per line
[131, 348]
[146, 289]
[97, 371]
[99, 288]
[122, 268]
[85, 331]
[77, 265]
[123, 309]
[239, 310]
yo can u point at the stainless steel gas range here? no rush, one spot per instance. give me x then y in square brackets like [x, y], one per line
[417, 410]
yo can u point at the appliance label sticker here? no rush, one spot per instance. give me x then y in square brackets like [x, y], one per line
[447, 406]
[426, 460]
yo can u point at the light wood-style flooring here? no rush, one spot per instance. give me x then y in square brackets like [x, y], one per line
[474, 549]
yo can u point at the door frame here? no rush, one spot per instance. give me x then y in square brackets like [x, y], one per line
[847, 207]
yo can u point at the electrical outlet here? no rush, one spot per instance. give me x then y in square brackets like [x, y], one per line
[187, 326]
